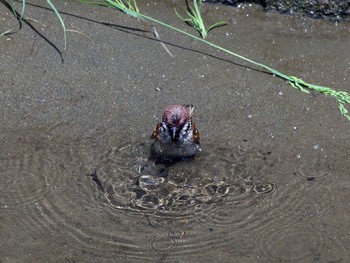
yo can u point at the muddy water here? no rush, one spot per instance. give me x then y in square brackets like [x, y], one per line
[77, 184]
[91, 200]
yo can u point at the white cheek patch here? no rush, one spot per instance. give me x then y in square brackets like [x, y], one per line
[164, 133]
[186, 133]
[185, 129]
[163, 128]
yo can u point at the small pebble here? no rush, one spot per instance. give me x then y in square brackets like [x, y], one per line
[316, 146]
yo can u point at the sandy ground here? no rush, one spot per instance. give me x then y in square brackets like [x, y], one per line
[116, 78]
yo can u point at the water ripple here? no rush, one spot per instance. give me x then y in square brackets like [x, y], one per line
[285, 242]
[163, 243]
[29, 175]
[106, 197]
[319, 168]
[302, 202]
[186, 190]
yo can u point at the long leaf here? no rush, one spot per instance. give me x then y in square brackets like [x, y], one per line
[61, 21]
[6, 32]
[217, 24]
[23, 7]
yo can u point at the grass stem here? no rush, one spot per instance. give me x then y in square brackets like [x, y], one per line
[342, 97]
[61, 21]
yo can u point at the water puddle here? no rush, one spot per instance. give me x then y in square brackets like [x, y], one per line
[115, 196]
[28, 176]
[77, 184]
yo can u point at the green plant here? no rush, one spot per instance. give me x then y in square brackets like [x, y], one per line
[126, 6]
[20, 18]
[342, 97]
[12, 8]
[61, 21]
[23, 7]
[195, 19]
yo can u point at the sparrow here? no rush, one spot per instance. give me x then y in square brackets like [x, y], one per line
[176, 135]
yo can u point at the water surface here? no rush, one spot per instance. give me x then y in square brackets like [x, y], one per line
[77, 184]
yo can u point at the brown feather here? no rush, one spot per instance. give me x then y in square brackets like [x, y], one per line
[155, 132]
[196, 134]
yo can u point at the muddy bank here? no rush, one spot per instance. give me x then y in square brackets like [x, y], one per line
[334, 10]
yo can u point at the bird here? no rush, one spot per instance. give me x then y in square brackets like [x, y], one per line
[176, 136]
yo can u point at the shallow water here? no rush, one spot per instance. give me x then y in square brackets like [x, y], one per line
[89, 198]
[78, 185]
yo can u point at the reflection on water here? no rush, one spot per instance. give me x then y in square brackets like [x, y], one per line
[242, 201]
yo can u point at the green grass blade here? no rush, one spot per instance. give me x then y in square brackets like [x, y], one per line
[179, 16]
[195, 19]
[126, 8]
[6, 32]
[13, 9]
[198, 15]
[61, 21]
[217, 24]
[94, 3]
[23, 7]
[136, 7]
[16, 15]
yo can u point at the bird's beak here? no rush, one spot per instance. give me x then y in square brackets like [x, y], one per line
[174, 133]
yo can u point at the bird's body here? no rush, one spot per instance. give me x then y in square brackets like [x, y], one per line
[176, 135]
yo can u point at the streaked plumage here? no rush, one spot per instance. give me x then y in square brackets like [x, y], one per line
[176, 135]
